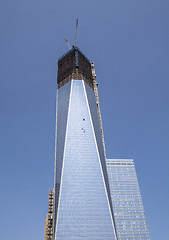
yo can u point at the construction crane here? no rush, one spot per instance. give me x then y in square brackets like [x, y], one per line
[74, 43]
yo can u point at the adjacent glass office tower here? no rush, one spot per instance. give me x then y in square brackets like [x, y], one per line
[127, 204]
[83, 206]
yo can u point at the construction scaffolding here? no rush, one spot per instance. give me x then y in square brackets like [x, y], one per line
[49, 218]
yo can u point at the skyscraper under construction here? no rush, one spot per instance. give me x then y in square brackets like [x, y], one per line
[91, 201]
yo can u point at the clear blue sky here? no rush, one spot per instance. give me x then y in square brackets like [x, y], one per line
[129, 42]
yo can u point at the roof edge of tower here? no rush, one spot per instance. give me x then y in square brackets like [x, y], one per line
[73, 49]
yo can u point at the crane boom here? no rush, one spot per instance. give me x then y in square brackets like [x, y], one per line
[68, 43]
[75, 32]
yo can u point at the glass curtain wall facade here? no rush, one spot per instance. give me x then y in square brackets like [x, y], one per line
[83, 207]
[126, 200]
[94, 198]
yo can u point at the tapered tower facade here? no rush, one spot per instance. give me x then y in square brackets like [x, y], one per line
[82, 206]
[94, 198]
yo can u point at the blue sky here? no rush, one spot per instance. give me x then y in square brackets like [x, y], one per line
[128, 41]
